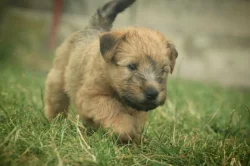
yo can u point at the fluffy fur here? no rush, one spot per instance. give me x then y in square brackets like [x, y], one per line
[113, 77]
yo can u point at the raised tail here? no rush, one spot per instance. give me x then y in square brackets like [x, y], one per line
[104, 17]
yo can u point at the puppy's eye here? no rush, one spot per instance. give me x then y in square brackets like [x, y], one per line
[160, 80]
[132, 66]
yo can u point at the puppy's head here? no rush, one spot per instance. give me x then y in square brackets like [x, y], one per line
[138, 62]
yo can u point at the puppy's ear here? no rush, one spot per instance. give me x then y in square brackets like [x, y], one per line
[108, 43]
[173, 55]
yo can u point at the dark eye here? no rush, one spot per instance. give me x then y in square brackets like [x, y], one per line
[160, 80]
[132, 66]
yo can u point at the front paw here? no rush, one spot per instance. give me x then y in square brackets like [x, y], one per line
[125, 127]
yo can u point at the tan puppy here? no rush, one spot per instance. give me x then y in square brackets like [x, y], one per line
[113, 77]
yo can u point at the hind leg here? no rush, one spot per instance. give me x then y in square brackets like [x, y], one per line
[56, 100]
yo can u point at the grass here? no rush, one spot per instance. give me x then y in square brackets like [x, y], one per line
[200, 124]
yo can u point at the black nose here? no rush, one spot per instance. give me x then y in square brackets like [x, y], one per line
[151, 93]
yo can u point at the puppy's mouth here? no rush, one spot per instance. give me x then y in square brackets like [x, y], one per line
[146, 106]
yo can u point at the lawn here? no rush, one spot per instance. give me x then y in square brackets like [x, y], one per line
[200, 124]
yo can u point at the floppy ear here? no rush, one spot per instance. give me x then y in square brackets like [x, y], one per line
[173, 56]
[108, 43]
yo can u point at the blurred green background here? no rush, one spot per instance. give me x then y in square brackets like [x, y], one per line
[212, 37]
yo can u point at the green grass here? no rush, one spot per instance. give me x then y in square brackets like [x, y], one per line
[200, 124]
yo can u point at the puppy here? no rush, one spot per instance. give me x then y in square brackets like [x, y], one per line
[114, 77]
